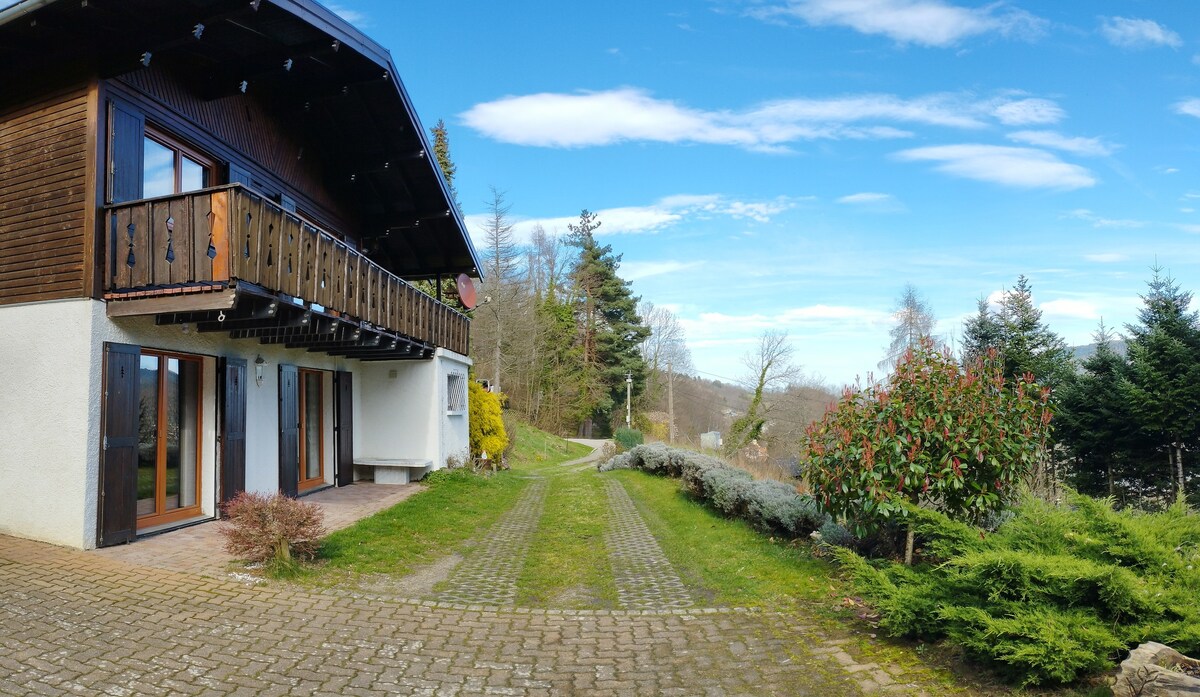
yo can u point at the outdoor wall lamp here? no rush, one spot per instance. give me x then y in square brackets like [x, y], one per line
[258, 370]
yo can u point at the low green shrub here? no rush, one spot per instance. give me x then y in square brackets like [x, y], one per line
[628, 438]
[831, 533]
[1054, 594]
[771, 506]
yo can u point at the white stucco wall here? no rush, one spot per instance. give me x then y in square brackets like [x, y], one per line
[402, 410]
[49, 421]
[455, 431]
[51, 357]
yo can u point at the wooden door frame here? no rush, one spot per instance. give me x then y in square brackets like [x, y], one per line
[303, 484]
[163, 517]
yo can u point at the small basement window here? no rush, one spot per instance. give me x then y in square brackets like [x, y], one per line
[456, 393]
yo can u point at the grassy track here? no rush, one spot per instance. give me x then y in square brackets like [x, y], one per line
[455, 507]
[725, 560]
[568, 565]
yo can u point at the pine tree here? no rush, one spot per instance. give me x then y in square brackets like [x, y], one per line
[609, 327]
[1163, 387]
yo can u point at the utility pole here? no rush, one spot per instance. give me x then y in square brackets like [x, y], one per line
[628, 392]
[670, 404]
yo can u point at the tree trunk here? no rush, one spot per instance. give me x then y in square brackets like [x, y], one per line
[1112, 492]
[1177, 449]
[908, 546]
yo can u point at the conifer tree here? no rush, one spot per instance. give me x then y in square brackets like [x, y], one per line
[1094, 420]
[1163, 387]
[441, 150]
[914, 322]
[1027, 345]
[980, 333]
[610, 330]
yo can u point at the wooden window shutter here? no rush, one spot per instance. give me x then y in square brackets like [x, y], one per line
[239, 175]
[343, 419]
[119, 448]
[127, 129]
[289, 430]
[233, 427]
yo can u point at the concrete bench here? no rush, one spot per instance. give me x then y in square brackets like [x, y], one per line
[391, 470]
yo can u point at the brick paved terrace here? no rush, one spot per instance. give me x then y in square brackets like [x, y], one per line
[150, 619]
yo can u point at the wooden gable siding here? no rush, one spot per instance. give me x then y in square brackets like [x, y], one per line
[44, 181]
[248, 136]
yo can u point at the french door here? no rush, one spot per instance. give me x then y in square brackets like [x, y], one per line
[312, 429]
[169, 438]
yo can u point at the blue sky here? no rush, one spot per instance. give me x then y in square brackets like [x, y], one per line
[791, 164]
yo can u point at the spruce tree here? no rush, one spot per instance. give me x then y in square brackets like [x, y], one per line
[610, 330]
[1163, 387]
[1027, 345]
[980, 334]
[1094, 421]
[441, 150]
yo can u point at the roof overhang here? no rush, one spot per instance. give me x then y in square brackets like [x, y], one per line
[314, 70]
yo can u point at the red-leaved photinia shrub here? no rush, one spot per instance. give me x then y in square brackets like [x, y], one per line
[933, 432]
[273, 528]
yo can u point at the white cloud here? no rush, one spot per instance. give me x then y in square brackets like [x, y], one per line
[867, 197]
[1052, 139]
[723, 326]
[355, 17]
[1188, 107]
[1099, 222]
[1079, 309]
[1187, 227]
[664, 213]
[1019, 167]
[1106, 257]
[1126, 32]
[1022, 112]
[923, 22]
[633, 270]
[587, 118]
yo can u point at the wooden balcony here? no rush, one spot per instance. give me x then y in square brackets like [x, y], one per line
[229, 239]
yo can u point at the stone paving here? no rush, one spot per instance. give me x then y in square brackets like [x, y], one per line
[644, 577]
[199, 549]
[103, 622]
[80, 623]
[488, 575]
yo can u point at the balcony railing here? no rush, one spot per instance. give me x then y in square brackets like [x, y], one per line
[230, 233]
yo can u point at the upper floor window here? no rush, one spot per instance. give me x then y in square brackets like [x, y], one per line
[144, 161]
[169, 167]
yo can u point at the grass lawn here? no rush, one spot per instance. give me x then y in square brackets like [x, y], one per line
[455, 507]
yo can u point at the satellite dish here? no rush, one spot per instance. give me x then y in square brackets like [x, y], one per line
[466, 290]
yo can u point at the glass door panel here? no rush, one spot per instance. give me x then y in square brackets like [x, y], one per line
[147, 480]
[169, 442]
[311, 412]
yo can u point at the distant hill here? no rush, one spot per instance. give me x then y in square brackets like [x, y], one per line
[1082, 352]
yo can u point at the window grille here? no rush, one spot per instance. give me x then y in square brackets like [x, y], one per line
[456, 393]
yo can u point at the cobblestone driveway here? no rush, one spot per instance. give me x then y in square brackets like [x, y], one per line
[89, 623]
[79, 623]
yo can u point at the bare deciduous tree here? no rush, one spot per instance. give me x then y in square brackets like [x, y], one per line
[914, 321]
[771, 368]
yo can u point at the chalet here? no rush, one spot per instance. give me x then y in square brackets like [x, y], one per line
[210, 215]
